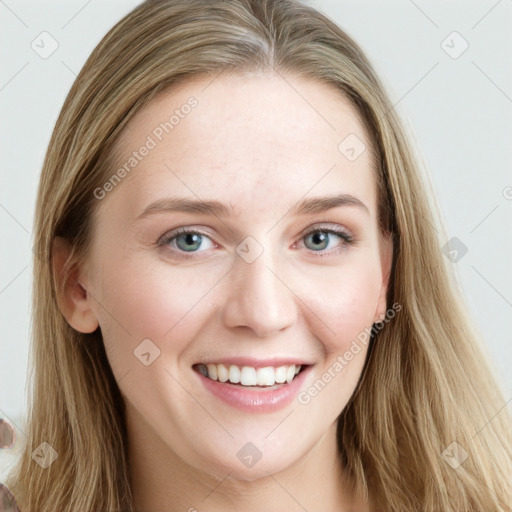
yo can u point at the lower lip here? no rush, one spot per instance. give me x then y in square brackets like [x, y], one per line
[256, 400]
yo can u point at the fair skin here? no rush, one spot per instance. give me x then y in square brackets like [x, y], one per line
[254, 143]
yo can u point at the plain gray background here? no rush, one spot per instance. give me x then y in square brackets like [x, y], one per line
[456, 105]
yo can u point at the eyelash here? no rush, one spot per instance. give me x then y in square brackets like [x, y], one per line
[347, 239]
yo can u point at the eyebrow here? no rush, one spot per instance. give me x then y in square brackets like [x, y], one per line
[304, 207]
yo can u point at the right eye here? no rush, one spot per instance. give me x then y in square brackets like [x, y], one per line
[185, 240]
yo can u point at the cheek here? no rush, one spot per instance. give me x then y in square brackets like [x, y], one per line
[342, 304]
[169, 307]
[342, 316]
[151, 301]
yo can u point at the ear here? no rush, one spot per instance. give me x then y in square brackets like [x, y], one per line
[73, 300]
[386, 260]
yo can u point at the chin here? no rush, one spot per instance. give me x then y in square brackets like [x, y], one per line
[244, 465]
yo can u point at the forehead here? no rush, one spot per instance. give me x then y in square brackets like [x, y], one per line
[254, 138]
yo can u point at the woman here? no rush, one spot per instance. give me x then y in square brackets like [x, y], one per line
[240, 299]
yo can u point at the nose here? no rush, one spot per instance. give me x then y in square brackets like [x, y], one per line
[259, 298]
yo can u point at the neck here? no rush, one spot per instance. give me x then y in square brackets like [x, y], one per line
[163, 481]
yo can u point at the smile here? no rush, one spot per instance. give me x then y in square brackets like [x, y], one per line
[254, 389]
[249, 375]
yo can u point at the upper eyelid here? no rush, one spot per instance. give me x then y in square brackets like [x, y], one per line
[315, 227]
[173, 233]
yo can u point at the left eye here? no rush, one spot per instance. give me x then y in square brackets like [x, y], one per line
[319, 238]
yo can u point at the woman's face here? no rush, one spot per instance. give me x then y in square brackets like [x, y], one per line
[263, 282]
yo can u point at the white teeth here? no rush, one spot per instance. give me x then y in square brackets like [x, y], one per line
[234, 374]
[222, 373]
[250, 376]
[280, 374]
[212, 371]
[266, 376]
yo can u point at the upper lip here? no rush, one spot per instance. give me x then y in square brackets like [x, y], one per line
[257, 363]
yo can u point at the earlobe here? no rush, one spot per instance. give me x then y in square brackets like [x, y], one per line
[386, 258]
[73, 300]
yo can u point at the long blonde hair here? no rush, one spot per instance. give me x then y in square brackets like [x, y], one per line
[426, 383]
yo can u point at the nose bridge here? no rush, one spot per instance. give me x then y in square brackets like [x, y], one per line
[258, 298]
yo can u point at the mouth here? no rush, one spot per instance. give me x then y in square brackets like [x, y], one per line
[254, 386]
[250, 377]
